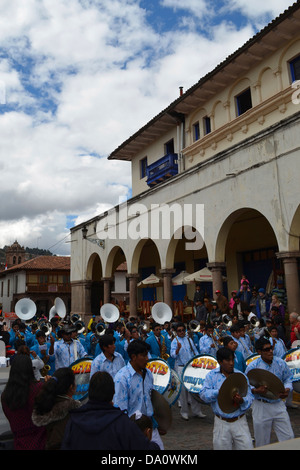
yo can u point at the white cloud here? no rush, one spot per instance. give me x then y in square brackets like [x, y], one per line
[256, 8]
[80, 77]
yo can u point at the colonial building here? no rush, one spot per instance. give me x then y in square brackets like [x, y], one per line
[220, 164]
[41, 279]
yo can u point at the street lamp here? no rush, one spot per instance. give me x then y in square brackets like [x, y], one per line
[97, 241]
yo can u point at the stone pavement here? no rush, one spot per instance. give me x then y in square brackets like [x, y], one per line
[196, 434]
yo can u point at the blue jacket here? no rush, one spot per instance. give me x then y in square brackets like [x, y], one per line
[258, 308]
[101, 426]
[154, 346]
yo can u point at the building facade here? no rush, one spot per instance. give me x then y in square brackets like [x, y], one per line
[41, 279]
[215, 182]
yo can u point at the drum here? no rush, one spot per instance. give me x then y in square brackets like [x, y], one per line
[195, 371]
[251, 358]
[292, 358]
[165, 380]
[82, 369]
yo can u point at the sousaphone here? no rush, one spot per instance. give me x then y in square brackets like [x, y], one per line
[161, 312]
[60, 307]
[25, 309]
[110, 313]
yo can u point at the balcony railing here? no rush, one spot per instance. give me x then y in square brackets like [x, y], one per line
[162, 169]
[48, 288]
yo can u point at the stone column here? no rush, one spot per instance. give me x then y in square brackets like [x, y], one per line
[217, 276]
[106, 289]
[81, 297]
[289, 260]
[167, 284]
[133, 280]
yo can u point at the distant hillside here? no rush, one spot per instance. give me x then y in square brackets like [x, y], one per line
[38, 251]
[32, 252]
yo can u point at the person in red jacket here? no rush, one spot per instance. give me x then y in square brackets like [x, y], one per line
[17, 401]
[295, 327]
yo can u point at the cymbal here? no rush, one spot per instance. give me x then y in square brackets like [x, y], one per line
[162, 411]
[258, 377]
[235, 383]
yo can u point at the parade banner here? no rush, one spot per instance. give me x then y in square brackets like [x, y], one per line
[195, 371]
[165, 380]
[82, 369]
[292, 358]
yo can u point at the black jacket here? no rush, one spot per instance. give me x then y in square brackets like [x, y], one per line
[101, 426]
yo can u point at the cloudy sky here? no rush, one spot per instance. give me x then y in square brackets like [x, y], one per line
[77, 78]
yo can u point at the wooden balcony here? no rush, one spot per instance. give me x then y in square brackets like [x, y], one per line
[162, 169]
[49, 288]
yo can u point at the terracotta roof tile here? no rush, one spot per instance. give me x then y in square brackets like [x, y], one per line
[53, 263]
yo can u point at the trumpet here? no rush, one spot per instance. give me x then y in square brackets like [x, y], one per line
[100, 329]
[45, 370]
[45, 326]
[80, 326]
[144, 327]
[227, 321]
[216, 337]
[194, 326]
[75, 318]
[164, 353]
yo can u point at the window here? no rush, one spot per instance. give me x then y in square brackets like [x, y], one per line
[243, 102]
[143, 167]
[295, 69]
[206, 125]
[196, 131]
[169, 147]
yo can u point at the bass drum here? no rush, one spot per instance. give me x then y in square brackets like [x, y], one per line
[195, 371]
[251, 358]
[292, 358]
[82, 369]
[165, 380]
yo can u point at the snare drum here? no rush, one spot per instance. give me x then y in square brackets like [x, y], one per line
[292, 358]
[165, 380]
[82, 369]
[195, 371]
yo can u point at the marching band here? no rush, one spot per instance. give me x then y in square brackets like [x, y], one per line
[179, 361]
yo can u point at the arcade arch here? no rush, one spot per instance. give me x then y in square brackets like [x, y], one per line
[247, 243]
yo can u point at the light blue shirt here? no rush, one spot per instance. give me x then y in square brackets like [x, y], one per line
[279, 368]
[65, 353]
[279, 347]
[101, 363]
[132, 391]
[206, 346]
[247, 346]
[210, 391]
[187, 351]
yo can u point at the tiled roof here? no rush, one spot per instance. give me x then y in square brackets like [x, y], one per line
[45, 263]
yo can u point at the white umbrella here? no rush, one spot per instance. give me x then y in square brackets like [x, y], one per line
[179, 279]
[151, 281]
[204, 275]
